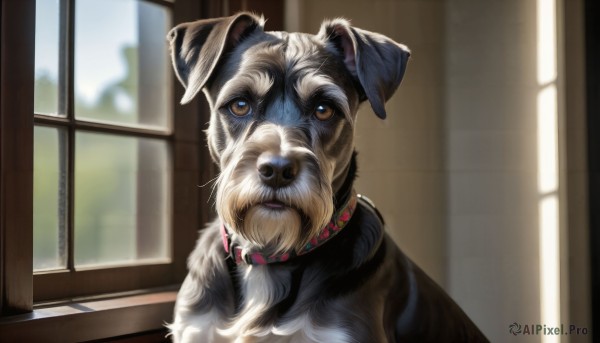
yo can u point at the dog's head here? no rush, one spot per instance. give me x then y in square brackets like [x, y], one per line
[283, 113]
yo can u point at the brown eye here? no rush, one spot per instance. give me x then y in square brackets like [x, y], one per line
[239, 107]
[323, 112]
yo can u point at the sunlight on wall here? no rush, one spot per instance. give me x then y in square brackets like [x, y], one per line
[547, 118]
[546, 28]
[548, 180]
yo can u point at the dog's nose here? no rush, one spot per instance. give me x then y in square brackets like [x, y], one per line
[277, 171]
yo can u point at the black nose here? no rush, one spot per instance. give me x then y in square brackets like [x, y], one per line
[277, 171]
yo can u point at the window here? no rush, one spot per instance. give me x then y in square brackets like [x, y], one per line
[99, 165]
[102, 141]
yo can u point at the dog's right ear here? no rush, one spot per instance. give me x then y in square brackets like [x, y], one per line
[196, 47]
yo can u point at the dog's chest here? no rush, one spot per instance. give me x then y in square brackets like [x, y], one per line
[258, 321]
[211, 328]
[300, 330]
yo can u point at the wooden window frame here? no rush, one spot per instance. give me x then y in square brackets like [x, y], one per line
[23, 313]
[74, 282]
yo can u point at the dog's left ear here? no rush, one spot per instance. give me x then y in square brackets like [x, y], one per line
[197, 47]
[376, 61]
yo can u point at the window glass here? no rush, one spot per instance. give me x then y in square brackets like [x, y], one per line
[47, 58]
[121, 182]
[121, 63]
[122, 197]
[49, 199]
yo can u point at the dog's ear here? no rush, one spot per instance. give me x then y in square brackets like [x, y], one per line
[377, 62]
[196, 47]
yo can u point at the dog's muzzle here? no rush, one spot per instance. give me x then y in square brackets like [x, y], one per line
[274, 191]
[339, 220]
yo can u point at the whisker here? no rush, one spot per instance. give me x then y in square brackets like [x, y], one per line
[209, 181]
[213, 189]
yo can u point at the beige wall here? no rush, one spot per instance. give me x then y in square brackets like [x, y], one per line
[496, 225]
[491, 153]
[454, 168]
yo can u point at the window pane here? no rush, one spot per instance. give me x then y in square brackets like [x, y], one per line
[49, 199]
[122, 68]
[47, 58]
[122, 197]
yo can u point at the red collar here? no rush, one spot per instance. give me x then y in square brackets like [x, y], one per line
[337, 223]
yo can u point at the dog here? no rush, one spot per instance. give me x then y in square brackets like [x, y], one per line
[295, 254]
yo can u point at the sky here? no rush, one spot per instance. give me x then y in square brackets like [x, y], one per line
[102, 28]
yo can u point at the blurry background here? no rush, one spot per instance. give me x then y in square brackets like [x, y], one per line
[480, 169]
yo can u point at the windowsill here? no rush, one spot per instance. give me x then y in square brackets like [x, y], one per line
[92, 319]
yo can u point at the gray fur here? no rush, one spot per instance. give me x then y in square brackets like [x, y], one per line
[357, 287]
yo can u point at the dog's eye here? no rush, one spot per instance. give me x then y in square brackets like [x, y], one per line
[239, 107]
[323, 112]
